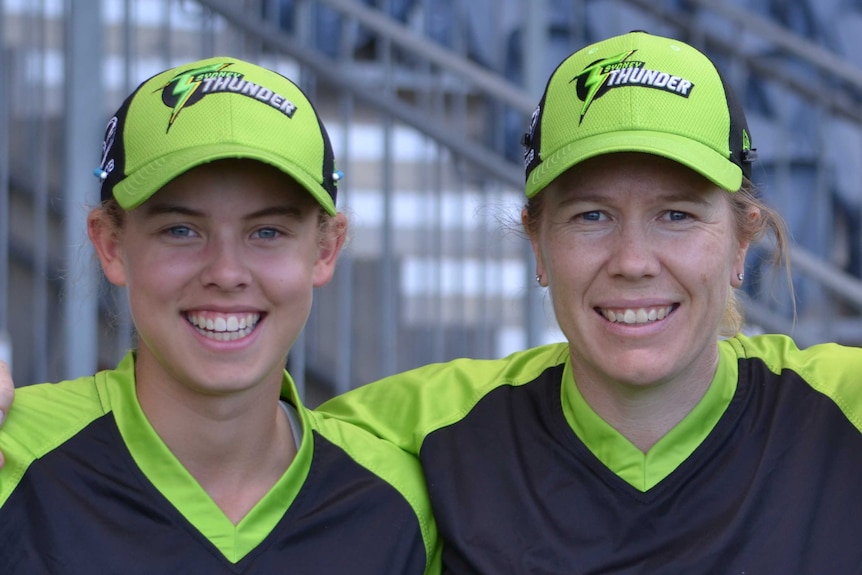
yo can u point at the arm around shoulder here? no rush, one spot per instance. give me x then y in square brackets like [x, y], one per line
[404, 408]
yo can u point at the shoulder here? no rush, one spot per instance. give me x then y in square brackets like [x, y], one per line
[780, 352]
[407, 406]
[395, 467]
[514, 369]
[381, 457]
[44, 417]
[462, 381]
[46, 410]
[829, 368]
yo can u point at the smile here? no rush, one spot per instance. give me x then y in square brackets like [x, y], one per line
[635, 316]
[223, 327]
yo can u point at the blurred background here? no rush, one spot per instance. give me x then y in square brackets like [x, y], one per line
[425, 102]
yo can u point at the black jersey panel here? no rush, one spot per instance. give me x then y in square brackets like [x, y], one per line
[86, 508]
[347, 520]
[773, 489]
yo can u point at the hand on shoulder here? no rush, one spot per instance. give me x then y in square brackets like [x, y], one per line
[7, 394]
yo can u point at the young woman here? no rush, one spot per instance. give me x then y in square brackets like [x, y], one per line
[195, 455]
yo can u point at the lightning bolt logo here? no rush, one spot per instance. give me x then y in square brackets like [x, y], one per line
[185, 85]
[593, 78]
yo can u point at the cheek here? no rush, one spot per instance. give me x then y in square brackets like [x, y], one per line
[716, 261]
[294, 284]
[158, 273]
[291, 276]
[563, 255]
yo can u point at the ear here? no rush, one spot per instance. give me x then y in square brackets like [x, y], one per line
[105, 238]
[738, 267]
[541, 275]
[330, 246]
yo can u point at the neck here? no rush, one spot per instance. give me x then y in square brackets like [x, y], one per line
[236, 447]
[643, 413]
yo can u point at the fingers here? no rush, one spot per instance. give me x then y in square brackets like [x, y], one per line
[7, 394]
[7, 391]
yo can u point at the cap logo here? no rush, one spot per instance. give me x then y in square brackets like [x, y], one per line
[527, 141]
[189, 87]
[618, 72]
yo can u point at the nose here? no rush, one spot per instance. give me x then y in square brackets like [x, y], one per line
[634, 255]
[224, 265]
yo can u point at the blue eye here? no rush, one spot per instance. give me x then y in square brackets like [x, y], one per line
[593, 216]
[179, 231]
[267, 233]
[677, 216]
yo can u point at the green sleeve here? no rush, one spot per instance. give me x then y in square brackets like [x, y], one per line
[406, 407]
[831, 369]
[45, 416]
[400, 409]
[393, 465]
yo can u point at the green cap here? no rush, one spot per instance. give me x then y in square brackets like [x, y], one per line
[638, 93]
[209, 110]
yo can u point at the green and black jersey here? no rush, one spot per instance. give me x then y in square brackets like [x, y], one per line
[762, 477]
[89, 487]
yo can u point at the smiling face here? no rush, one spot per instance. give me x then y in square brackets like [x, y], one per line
[639, 253]
[219, 266]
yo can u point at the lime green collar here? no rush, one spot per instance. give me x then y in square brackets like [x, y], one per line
[645, 470]
[168, 475]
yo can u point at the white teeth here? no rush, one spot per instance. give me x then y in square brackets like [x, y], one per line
[225, 328]
[635, 316]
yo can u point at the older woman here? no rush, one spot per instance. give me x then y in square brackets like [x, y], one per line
[656, 439]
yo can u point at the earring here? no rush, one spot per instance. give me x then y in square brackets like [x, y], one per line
[538, 279]
[740, 276]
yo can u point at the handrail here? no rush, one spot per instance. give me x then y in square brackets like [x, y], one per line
[484, 79]
[838, 282]
[800, 48]
[833, 100]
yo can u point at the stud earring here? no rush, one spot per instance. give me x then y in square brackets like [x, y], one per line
[538, 279]
[740, 276]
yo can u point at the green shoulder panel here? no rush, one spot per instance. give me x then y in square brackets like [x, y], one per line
[401, 470]
[44, 417]
[406, 407]
[833, 370]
